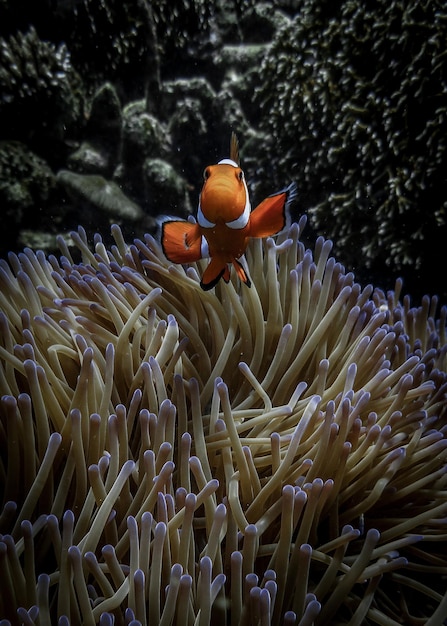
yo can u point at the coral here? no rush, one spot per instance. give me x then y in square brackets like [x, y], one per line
[143, 135]
[354, 98]
[40, 93]
[116, 41]
[101, 153]
[188, 128]
[195, 116]
[144, 138]
[260, 22]
[26, 183]
[187, 34]
[273, 455]
[166, 190]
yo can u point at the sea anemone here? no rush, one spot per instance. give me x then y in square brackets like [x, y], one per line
[272, 455]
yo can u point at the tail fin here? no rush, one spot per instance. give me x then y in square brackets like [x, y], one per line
[181, 241]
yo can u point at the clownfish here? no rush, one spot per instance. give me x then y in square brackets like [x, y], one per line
[225, 222]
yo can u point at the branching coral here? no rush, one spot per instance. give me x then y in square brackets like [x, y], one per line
[273, 455]
[41, 94]
[355, 95]
[115, 41]
[186, 33]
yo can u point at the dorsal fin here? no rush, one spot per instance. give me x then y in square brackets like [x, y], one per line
[234, 148]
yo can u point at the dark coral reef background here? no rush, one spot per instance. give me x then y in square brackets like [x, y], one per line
[110, 109]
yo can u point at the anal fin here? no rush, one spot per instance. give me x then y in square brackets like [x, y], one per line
[214, 272]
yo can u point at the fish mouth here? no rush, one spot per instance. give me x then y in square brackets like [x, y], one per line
[221, 201]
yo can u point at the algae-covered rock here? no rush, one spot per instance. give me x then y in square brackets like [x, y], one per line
[189, 133]
[166, 190]
[99, 153]
[143, 134]
[195, 88]
[105, 195]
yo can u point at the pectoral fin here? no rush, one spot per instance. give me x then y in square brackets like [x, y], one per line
[181, 241]
[271, 215]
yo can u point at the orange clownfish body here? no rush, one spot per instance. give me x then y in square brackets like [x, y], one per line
[225, 222]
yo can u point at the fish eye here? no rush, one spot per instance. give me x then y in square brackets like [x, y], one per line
[206, 173]
[240, 175]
